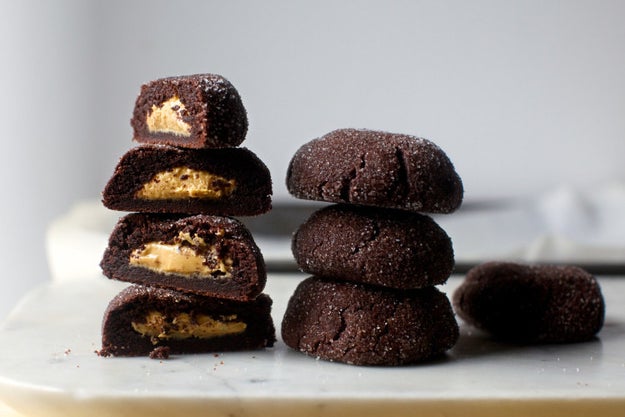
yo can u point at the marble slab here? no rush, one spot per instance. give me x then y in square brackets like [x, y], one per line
[49, 368]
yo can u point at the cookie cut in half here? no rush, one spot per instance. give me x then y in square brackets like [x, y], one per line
[143, 321]
[194, 111]
[207, 255]
[166, 179]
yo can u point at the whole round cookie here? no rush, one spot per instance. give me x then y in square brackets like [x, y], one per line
[377, 169]
[531, 304]
[387, 247]
[364, 325]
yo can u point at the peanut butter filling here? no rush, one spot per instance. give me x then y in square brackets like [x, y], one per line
[197, 258]
[184, 182]
[167, 118]
[159, 327]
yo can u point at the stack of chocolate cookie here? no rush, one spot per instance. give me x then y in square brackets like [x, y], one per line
[198, 273]
[375, 257]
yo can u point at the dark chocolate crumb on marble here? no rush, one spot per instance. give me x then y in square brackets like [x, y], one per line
[161, 352]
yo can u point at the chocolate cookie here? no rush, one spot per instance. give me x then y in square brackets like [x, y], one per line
[166, 179]
[207, 255]
[195, 111]
[364, 325]
[386, 247]
[141, 320]
[531, 304]
[377, 169]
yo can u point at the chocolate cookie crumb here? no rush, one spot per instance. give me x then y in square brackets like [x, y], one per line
[161, 352]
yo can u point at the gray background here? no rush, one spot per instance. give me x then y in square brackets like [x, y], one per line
[524, 96]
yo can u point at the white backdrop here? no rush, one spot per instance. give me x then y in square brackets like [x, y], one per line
[523, 95]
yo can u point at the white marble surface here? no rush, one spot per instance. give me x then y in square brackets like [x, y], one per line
[49, 368]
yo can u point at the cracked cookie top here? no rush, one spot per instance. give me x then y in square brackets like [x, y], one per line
[377, 169]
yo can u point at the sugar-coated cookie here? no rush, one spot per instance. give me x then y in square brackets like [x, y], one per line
[386, 247]
[365, 325]
[207, 255]
[167, 179]
[531, 304]
[377, 169]
[193, 111]
[143, 321]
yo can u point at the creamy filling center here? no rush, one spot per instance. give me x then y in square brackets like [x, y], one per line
[199, 259]
[158, 326]
[167, 118]
[184, 182]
